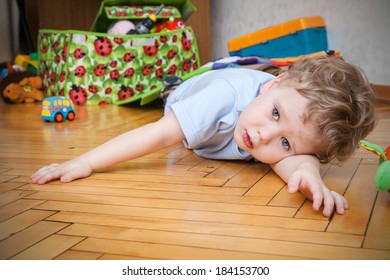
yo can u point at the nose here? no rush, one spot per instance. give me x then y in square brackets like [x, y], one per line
[268, 133]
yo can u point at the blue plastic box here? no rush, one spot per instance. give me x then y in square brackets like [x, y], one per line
[297, 37]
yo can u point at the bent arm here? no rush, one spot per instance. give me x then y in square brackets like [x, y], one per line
[286, 167]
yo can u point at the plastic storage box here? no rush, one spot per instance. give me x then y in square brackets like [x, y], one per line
[293, 38]
[94, 67]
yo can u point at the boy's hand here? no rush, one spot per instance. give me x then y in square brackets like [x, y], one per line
[66, 172]
[312, 186]
[302, 172]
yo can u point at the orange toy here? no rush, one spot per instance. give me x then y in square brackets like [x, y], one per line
[27, 90]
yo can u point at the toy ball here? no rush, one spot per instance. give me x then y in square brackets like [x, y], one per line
[121, 27]
[57, 109]
[382, 176]
[171, 24]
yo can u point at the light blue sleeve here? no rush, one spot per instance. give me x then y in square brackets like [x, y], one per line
[210, 110]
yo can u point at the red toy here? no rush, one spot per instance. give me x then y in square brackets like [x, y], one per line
[171, 24]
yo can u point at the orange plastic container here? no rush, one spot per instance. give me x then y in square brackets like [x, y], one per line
[311, 28]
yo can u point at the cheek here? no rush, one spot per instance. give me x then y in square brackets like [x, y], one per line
[268, 154]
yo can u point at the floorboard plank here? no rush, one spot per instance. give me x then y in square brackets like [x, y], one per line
[378, 232]
[22, 221]
[22, 240]
[48, 248]
[361, 195]
[187, 215]
[220, 230]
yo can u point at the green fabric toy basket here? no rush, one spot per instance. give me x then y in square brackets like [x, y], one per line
[94, 67]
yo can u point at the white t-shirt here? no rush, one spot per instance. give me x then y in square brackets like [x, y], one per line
[207, 108]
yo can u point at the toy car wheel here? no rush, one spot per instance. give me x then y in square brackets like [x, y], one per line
[71, 116]
[59, 117]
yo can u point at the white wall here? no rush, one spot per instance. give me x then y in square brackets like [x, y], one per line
[360, 29]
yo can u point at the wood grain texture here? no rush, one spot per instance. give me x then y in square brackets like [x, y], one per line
[173, 204]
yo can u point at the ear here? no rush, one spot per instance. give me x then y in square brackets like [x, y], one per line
[270, 84]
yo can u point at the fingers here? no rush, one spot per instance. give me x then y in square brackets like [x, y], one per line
[73, 174]
[66, 172]
[328, 203]
[341, 203]
[317, 200]
[293, 183]
[331, 201]
[45, 174]
[48, 173]
[316, 191]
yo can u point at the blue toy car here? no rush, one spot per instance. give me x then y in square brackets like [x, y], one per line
[57, 108]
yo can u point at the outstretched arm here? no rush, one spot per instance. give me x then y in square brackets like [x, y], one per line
[302, 172]
[130, 145]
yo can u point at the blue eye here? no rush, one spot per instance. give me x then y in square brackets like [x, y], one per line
[275, 113]
[285, 143]
[276, 116]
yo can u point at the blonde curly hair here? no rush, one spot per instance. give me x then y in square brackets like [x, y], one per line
[341, 103]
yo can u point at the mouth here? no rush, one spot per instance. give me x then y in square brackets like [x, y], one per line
[247, 140]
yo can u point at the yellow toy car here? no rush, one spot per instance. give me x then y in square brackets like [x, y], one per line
[57, 108]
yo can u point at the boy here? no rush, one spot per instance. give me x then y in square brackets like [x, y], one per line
[315, 112]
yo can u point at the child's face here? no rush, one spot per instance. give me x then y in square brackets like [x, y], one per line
[272, 126]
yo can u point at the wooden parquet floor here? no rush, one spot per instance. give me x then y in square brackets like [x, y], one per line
[173, 204]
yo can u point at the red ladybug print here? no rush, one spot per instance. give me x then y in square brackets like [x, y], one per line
[166, 14]
[195, 66]
[113, 64]
[128, 57]
[103, 46]
[99, 70]
[185, 42]
[44, 49]
[186, 65]
[79, 71]
[139, 87]
[114, 75]
[172, 69]
[147, 70]
[163, 39]
[129, 73]
[55, 45]
[118, 41]
[108, 90]
[78, 95]
[125, 93]
[57, 58]
[93, 89]
[78, 53]
[171, 54]
[159, 73]
[151, 50]
[62, 76]
[53, 77]
[65, 52]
